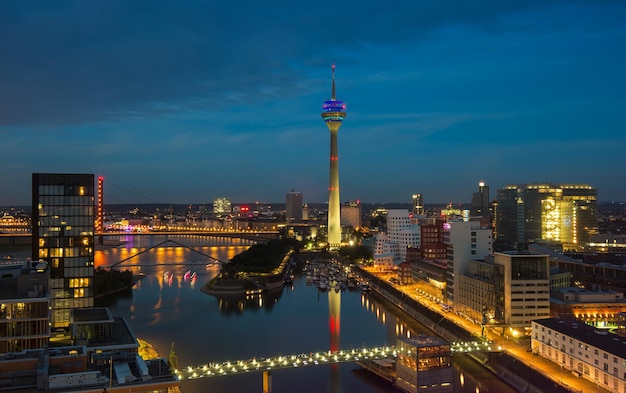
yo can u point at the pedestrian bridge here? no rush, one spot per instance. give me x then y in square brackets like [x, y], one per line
[312, 359]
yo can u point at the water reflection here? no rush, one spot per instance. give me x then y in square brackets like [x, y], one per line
[238, 304]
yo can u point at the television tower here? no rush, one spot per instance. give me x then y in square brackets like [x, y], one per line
[333, 113]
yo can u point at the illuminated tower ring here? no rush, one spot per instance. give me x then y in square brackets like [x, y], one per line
[333, 113]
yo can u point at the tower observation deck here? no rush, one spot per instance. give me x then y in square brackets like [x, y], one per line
[333, 113]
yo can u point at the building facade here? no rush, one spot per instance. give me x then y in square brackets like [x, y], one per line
[222, 206]
[417, 205]
[352, 214]
[424, 365]
[593, 354]
[567, 213]
[63, 237]
[402, 231]
[293, 206]
[466, 241]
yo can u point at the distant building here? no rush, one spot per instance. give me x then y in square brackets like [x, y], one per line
[63, 237]
[567, 213]
[424, 365]
[417, 204]
[293, 210]
[596, 355]
[222, 206]
[351, 214]
[480, 209]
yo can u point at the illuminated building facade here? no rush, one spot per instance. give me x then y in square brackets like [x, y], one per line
[63, 237]
[222, 206]
[424, 365]
[333, 113]
[24, 309]
[417, 204]
[567, 213]
[596, 355]
[293, 206]
[100, 206]
[595, 308]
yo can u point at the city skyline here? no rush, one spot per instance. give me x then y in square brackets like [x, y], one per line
[187, 102]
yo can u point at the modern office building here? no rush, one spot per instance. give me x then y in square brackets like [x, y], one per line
[567, 213]
[424, 364]
[466, 241]
[595, 308]
[222, 206]
[508, 290]
[63, 237]
[596, 355]
[293, 206]
[524, 291]
[417, 204]
[333, 113]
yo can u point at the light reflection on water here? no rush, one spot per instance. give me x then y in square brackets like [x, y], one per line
[296, 319]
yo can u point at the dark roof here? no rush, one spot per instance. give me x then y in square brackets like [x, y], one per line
[601, 339]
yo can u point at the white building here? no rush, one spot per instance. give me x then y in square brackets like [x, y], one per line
[400, 230]
[595, 355]
[386, 252]
[466, 241]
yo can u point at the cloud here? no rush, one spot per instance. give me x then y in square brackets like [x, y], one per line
[72, 62]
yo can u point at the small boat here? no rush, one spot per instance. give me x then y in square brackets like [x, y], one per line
[365, 287]
[168, 277]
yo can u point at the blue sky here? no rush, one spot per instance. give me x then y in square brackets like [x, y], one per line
[183, 101]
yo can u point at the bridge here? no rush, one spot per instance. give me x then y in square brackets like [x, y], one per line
[312, 359]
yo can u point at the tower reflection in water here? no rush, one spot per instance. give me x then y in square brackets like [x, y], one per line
[334, 325]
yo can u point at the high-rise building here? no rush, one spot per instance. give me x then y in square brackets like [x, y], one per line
[418, 204]
[222, 206]
[466, 241]
[402, 231]
[567, 213]
[63, 237]
[480, 205]
[293, 210]
[333, 113]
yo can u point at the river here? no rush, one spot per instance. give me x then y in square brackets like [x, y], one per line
[297, 319]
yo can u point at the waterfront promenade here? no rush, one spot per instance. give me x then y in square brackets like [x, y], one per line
[520, 355]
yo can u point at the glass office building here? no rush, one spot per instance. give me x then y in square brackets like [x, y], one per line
[63, 237]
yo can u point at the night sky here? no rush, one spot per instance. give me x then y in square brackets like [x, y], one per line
[183, 102]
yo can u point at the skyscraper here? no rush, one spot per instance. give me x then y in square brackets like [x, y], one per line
[418, 204]
[333, 113]
[63, 236]
[293, 206]
[480, 209]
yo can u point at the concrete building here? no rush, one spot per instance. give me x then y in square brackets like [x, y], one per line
[567, 213]
[596, 355]
[595, 308]
[466, 241]
[424, 364]
[293, 206]
[63, 237]
[524, 292]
